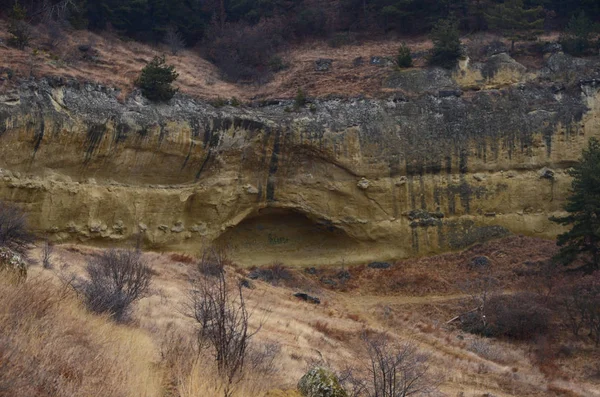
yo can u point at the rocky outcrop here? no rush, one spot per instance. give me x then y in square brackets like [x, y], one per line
[348, 180]
[13, 264]
[320, 382]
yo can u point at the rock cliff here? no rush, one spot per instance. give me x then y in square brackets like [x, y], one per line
[439, 161]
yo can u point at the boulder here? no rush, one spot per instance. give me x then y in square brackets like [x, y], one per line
[323, 65]
[12, 262]
[307, 298]
[320, 382]
[379, 265]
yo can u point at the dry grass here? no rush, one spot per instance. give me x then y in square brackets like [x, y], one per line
[50, 346]
[330, 332]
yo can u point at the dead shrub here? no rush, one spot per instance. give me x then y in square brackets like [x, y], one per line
[391, 369]
[273, 274]
[117, 279]
[220, 311]
[14, 233]
[517, 316]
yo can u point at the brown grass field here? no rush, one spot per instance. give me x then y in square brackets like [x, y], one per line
[54, 347]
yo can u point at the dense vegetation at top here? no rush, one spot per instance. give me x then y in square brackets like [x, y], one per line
[243, 37]
[150, 20]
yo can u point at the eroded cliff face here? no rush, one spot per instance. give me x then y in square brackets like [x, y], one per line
[443, 160]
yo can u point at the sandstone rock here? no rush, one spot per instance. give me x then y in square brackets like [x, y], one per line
[323, 65]
[201, 228]
[163, 228]
[320, 382]
[546, 173]
[251, 189]
[142, 227]
[479, 177]
[13, 263]
[363, 184]
[401, 181]
[178, 228]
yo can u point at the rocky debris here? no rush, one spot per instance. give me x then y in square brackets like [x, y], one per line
[119, 227]
[251, 189]
[178, 228]
[270, 274]
[142, 227]
[479, 177]
[422, 81]
[320, 382]
[479, 262]
[502, 62]
[163, 228]
[343, 275]
[422, 218]
[495, 47]
[381, 61]
[450, 93]
[401, 181]
[323, 65]
[328, 281]
[12, 262]
[307, 298]
[363, 184]
[547, 173]
[552, 48]
[379, 265]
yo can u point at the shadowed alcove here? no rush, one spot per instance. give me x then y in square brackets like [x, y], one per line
[288, 236]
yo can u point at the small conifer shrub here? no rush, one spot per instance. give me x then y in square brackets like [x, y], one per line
[404, 59]
[156, 80]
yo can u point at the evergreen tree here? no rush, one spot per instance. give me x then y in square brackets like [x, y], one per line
[583, 207]
[20, 32]
[577, 38]
[446, 44]
[515, 21]
[156, 80]
[404, 58]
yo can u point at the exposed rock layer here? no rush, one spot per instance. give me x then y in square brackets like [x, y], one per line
[443, 161]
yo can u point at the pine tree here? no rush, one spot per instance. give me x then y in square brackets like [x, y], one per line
[515, 21]
[583, 207]
[19, 29]
[446, 44]
[577, 38]
[156, 80]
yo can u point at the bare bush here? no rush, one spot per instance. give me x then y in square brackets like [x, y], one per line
[212, 263]
[392, 370]
[518, 316]
[14, 233]
[223, 325]
[117, 279]
[581, 306]
[47, 253]
[174, 40]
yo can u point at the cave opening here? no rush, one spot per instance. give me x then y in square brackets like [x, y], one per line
[287, 236]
